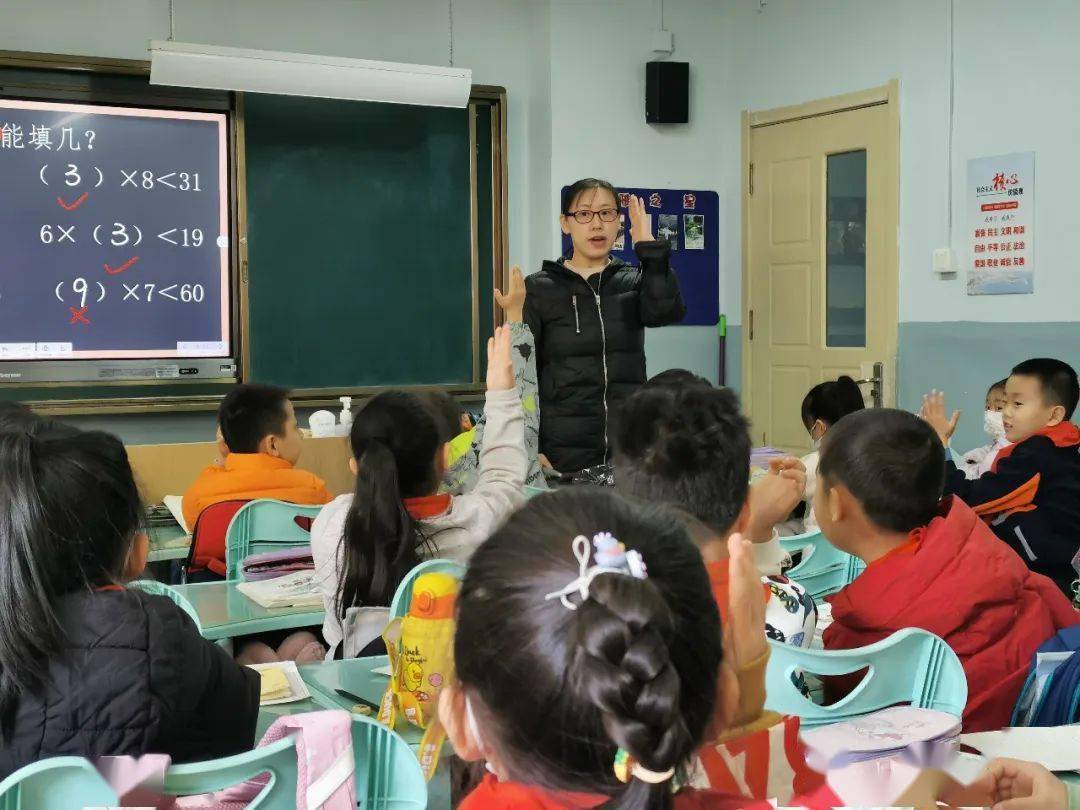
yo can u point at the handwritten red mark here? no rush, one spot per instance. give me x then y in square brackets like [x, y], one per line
[72, 206]
[115, 271]
[78, 315]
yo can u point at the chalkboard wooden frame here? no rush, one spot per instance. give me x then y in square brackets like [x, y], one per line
[151, 397]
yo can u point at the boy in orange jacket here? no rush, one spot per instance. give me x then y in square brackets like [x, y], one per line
[261, 443]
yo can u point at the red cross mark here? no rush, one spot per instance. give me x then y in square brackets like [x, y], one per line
[78, 315]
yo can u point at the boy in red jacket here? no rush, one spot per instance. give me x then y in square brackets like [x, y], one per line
[930, 564]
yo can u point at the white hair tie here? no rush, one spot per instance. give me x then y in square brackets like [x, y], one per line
[610, 556]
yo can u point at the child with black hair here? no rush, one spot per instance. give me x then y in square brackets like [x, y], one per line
[89, 667]
[976, 463]
[688, 446]
[258, 433]
[823, 406]
[1031, 495]
[624, 675]
[930, 563]
[366, 542]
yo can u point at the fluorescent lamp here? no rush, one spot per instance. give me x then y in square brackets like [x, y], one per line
[183, 64]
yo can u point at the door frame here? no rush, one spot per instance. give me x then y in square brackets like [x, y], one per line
[889, 95]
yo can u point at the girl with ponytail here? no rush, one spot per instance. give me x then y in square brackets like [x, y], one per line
[366, 542]
[588, 658]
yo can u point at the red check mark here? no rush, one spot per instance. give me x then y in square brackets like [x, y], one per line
[72, 206]
[115, 271]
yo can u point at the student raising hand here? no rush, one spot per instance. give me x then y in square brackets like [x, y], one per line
[640, 221]
[933, 411]
[513, 302]
[500, 373]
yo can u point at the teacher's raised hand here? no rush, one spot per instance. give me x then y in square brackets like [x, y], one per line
[640, 220]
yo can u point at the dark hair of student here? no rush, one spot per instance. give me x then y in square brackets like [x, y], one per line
[394, 441]
[71, 511]
[1057, 380]
[891, 461]
[633, 667]
[687, 447]
[831, 401]
[571, 194]
[251, 412]
[447, 412]
[998, 386]
[16, 416]
[677, 378]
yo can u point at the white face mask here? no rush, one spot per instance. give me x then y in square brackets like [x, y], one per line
[994, 424]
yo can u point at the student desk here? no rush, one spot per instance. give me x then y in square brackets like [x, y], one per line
[355, 675]
[224, 612]
[168, 543]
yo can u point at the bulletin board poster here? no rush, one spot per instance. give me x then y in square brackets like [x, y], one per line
[690, 222]
[1001, 210]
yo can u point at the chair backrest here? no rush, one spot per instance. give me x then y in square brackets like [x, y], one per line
[208, 538]
[399, 606]
[824, 569]
[388, 773]
[277, 759]
[264, 525]
[910, 666]
[161, 589]
[56, 784]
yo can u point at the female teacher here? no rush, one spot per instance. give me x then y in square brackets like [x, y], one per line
[588, 314]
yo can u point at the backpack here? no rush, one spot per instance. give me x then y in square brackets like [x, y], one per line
[1051, 694]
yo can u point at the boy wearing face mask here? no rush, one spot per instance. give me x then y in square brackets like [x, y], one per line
[977, 462]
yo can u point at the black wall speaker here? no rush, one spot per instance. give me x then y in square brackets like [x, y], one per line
[667, 92]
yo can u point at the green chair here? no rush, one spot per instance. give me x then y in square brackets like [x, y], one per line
[60, 783]
[399, 606]
[161, 589]
[824, 569]
[266, 525]
[910, 666]
[387, 772]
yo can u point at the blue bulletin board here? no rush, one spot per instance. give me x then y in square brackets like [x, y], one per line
[690, 221]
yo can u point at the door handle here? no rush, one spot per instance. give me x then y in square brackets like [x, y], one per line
[875, 384]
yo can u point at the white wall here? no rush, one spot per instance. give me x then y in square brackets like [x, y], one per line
[505, 43]
[1017, 76]
[598, 54]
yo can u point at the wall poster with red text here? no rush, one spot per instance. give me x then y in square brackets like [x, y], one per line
[1001, 209]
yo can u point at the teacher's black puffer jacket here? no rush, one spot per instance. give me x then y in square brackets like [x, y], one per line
[590, 343]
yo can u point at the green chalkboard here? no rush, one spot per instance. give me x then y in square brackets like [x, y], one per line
[359, 243]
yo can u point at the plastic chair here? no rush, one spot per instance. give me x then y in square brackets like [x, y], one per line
[399, 606]
[206, 559]
[387, 771]
[161, 589]
[278, 759]
[266, 522]
[824, 569]
[56, 784]
[910, 666]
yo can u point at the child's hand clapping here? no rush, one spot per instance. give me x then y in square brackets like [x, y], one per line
[933, 412]
[500, 373]
[773, 497]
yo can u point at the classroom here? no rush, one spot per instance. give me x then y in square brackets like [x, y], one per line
[719, 348]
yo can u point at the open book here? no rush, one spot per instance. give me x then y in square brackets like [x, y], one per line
[300, 589]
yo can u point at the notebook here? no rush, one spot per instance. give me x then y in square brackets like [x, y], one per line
[299, 589]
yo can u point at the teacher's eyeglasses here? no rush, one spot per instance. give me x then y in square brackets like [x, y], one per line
[584, 217]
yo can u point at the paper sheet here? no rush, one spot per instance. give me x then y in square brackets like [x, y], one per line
[175, 505]
[1057, 748]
